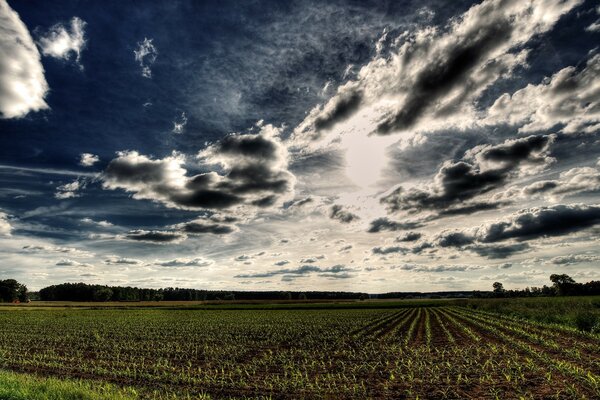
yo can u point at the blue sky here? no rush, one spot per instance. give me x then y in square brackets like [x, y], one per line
[375, 146]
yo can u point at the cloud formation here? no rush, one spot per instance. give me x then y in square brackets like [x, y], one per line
[569, 99]
[157, 237]
[145, 54]
[88, 159]
[524, 225]
[254, 174]
[435, 74]
[22, 82]
[337, 212]
[483, 168]
[337, 271]
[64, 41]
[5, 227]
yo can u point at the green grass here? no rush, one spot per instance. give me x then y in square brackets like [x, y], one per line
[582, 312]
[15, 386]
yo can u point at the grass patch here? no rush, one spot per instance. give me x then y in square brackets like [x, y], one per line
[15, 386]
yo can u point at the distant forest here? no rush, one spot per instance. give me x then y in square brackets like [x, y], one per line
[13, 291]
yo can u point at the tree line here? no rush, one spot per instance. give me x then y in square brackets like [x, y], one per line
[562, 285]
[86, 292]
[13, 291]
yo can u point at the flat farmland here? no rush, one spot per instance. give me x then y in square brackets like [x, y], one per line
[444, 352]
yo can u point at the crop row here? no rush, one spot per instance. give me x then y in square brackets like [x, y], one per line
[437, 352]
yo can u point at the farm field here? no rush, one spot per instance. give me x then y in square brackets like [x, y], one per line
[433, 352]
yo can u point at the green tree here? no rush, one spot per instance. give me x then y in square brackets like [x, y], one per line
[498, 288]
[11, 290]
[563, 284]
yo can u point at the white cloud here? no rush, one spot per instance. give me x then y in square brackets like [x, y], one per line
[104, 224]
[63, 41]
[145, 55]
[5, 226]
[88, 159]
[69, 190]
[434, 76]
[180, 123]
[22, 82]
[570, 98]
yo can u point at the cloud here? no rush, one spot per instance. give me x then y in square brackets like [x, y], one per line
[158, 237]
[254, 174]
[524, 225]
[337, 212]
[336, 271]
[493, 251]
[185, 262]
[145, 54]
[539, 222]
[69, 190]
[281, 263]
[88, 159]
[203, 225]
[575, 259]
[179, 123]
[5, 227]
[103, 223]
[66, 262]
[434, 76]
[482, 169]
[22, 82]
[570, 98]
[62, 42]
[385, 224]
[57, 249]
[116, 260]
[570, 182]
[409, 237]
[436, 268]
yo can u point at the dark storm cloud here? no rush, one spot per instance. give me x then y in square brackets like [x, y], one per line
[255, 174]
[159, 237]
[482, 169]
[338, 212]
[385, 224]
[418, 249]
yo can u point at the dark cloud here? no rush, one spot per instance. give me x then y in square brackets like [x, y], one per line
[200, 227]
[254, 165]
[542, 222]
[472, 208]
[155, 236]
[389, 250]
[527, 224]
[282, 263]
[338, 212]
[494, 251]
[482, 169]
[340, 108]
[409, 237]
[449, 70]
[385, 224]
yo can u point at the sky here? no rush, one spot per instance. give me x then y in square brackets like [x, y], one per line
[369, 146]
